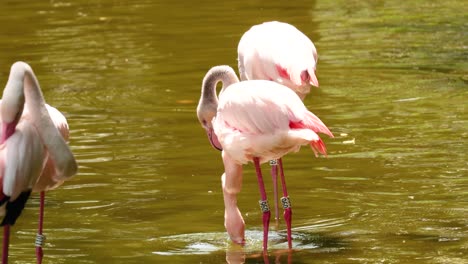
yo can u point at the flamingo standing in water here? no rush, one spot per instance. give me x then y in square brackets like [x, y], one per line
[254, 121]
[279, 52]
[33, 152]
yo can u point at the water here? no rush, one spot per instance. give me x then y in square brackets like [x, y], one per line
[393, 88]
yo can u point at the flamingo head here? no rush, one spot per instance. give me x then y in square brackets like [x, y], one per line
[206, 113]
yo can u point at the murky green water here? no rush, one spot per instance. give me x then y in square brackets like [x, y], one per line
[393, 78]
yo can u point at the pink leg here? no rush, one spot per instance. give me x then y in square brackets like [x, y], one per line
[286, 204]
[274, 177]
[263, 204]
[40, 237]
[265, 257]
[6, 242]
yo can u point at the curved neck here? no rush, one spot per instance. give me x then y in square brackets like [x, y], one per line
[58, 149]
[224, 74]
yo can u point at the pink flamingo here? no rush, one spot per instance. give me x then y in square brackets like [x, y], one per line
[33, 150]
[255, 121]
[279, 52]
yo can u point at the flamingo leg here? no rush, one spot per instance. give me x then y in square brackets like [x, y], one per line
[286, 204]
[40, 237]
[232, 184]
[6, 242]
[263, 204]
[274, 177]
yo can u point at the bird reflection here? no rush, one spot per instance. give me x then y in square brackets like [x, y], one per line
[238, 256]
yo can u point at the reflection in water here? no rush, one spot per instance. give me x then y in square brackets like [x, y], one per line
[279, 256]
[210, 243]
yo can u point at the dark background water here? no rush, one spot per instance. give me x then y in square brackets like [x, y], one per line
[127, 75]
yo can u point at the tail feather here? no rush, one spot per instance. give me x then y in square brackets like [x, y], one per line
[312, 122]
[318, 147]
[301, 75]
[292, 73]
[312, 77]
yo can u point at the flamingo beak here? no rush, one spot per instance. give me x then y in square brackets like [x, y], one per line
[213, 139]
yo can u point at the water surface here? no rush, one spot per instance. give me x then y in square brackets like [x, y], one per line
[127, 75]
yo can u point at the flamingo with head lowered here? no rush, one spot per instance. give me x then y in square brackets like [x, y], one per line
[254, 121]
[33, 150]
[278, 52]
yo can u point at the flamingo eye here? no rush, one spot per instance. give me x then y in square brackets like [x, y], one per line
[204, 122]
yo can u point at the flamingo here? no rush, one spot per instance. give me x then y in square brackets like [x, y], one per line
[254, 121]
[33, 152]
[279, 52]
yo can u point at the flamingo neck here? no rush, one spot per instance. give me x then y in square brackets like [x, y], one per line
[224, 74]
[55, 144]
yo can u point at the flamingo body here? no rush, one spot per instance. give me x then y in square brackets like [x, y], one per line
[25, 164]
[256, 121]
[22, 159]
[279, 52]
[266, 120]
[33, 149]
[48, 179]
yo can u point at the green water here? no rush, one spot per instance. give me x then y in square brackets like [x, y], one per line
[127, 74]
